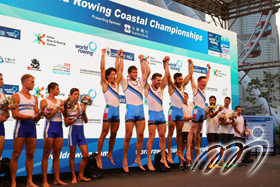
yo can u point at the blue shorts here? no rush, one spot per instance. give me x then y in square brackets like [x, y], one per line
[175, 114]
[53, 129]
[134, 113]
[25, 129]
[111, 114]
[2, 129]
[198, 114]
[156, 118]
[76, 135]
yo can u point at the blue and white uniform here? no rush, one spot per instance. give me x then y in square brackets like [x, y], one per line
[53, 127]
[175, 112]
[133, 91]
[154, 100]
[2, 128]
[25, 128]
[111, 112]
[198, 110]
[76, 130]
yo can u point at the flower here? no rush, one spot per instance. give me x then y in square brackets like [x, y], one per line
[247, 133]
[234, 114]
[86, 99]
[212, 108]
[9, 103]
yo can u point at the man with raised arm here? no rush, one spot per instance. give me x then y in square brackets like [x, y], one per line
[133, 90]
[110, 79]
[198, 112]
[175, 114]
[154, 95]
[26, 114]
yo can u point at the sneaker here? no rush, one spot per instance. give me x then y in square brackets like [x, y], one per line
[210, 167]
[217, 166]
[188, 168]
[182, 168]
[225, 166]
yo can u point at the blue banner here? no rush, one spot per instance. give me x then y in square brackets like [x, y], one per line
[122, 19]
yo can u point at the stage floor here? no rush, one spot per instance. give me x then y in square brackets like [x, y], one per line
[268, 174]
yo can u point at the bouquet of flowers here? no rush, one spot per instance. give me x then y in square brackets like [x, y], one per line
[48, 109]
[224, 116]
[234, 114]
[212, 108]
[71, 105]
[86, 99]
[9, 103]
[247, 133]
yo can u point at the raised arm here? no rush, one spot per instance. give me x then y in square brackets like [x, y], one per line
[120, 66]
[145, 69]
[102, 67]
[208, 73]
[166, 72]
[189, 76]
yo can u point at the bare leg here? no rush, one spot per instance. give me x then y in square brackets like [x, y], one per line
[114, 130]
[197, 140]
[152, 133]
[128, 133]
[104, 132]
[182, 150]
[2, 143]
[30, 146]
[47, 147]
[209, 156]
[171, 127]
[57, 146]
[161, 134]
[140, 127]
[17, 148]
[179, 126]
[84, 150]
[72, 163]
[190, 139]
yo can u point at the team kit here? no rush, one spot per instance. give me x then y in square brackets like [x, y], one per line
[223, 125]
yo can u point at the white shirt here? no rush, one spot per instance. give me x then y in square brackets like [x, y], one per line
[133, 91]
[240, 124]
[187, 110]
[177, 97]
[226, 129]
[212, 124]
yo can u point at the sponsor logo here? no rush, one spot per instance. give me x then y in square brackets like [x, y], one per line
[219, 45]
[154, 61]
[9, 32]
[87, 49]
[38, 91]
[218, 73]
[39, 38]
[127, 28]
[48, 40]
[62, 69]
[34, 65]
[7, 60]
[199, 69]
[176, 66]
[98, 121]
[90, 72]
[122, 99]
[212, 89]
[10, 89]
[47, 93]
[224, 91]
[114, 52]
[92, 93]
